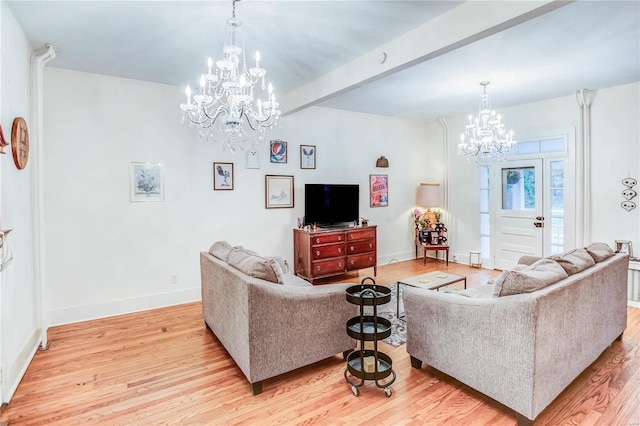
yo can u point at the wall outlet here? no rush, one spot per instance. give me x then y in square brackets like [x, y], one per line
[174, 279]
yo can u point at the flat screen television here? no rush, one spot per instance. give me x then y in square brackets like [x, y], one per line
[331, 204]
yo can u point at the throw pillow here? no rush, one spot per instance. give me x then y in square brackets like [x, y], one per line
[539, 275]
[574, 261]
[221, 250]
[282, 262]
[255, 266]
[599, 251]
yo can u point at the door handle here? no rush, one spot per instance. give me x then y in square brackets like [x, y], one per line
[539, 217]
[538, 224]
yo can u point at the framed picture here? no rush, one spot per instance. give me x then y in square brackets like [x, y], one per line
[307, 156]
[146, 182]
[434, 238]
[223, 176]
[624, 246]
[378, 190]
[278, 153]
[278, 191]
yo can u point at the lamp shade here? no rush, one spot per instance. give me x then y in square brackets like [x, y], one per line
[430, 195]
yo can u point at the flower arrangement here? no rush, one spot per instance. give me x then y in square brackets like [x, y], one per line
[420, 219]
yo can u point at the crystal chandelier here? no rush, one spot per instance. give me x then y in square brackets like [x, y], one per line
[485, 136]
[233, 106]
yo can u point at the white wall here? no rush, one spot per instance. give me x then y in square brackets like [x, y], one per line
[615, 155]
[106, 255]
[19, 328]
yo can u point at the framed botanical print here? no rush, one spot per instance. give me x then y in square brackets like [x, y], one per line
[278, 152]
[307, 156]
[378, 190]
[278, 191]
[146, 182]
[223, 176]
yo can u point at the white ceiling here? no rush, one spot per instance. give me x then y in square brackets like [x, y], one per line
[587, 44]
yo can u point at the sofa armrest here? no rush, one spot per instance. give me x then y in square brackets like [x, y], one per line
[290, 327]
[486, 343]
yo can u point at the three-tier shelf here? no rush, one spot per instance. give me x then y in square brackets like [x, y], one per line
[369, 328]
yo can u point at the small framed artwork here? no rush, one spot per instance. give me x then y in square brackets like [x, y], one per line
[307, 156]
[223, 176]
[278, 153]
[278, 191]
[378, 190]
[624, 246]
[434, 238]
[146, 182]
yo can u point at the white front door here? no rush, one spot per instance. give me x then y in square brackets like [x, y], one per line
[519, 219]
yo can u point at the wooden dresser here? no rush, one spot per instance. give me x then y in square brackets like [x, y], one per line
[324, 253]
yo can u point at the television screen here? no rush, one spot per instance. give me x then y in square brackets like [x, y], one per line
[331, 204]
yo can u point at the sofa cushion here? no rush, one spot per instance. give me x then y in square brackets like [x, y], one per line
[599, 251]
[255, 266]
[574, 261]
[281, 261]
[539, 275]
[221, 250]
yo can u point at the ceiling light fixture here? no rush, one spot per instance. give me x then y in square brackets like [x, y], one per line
[227, 108]
[487, 138]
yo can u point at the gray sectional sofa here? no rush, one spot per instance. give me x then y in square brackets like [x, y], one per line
[271, 322]
[524, 339]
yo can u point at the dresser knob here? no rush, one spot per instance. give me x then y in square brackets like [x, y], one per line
[339, 249]
[318, 269]
[318, 253]
[370, 245]
[340, 265]
[318, 240]
[339, 237]
[353, 262]
[370, 258]
[351, 248]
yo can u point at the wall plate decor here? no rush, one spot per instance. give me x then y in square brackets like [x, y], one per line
[307, 156]
[278, 191]
[20, 142]
[146, 182]
[378, 190]
[628, 193]
[278, 153]
[223, 176]
[3, 141]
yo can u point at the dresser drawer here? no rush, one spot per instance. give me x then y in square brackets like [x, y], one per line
[324, 267]
[361, 234]
[362, 246]
[326, 239]
[361, 261]
[327, 251]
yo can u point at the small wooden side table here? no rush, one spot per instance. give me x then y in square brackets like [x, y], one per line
[437, 248]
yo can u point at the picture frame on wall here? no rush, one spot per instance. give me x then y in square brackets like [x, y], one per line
[307, 156]
[146, 182]
[278, 191]
[278, 151]
[222, 176]
[378, 190]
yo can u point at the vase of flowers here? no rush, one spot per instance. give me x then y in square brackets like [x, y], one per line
[420, 219]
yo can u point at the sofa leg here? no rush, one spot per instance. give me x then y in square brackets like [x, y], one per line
[345, 354]
[523, 421]
[416, 363]
[256, 388]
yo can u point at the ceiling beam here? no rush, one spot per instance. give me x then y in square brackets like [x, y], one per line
[463, 25]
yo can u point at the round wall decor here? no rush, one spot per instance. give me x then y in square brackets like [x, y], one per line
[20, 142]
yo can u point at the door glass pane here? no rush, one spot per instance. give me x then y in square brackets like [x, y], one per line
[519, 188]
[484, 200]
[484, 247]
[484, 177]
[553, 145]
[531, 147]
[484, 224]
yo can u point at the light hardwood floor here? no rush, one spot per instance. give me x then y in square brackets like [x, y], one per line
[164, 367]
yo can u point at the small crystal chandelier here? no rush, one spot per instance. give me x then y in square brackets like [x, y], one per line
[487, 138]
[228, 108]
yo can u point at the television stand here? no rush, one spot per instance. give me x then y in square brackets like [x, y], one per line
[328, 252]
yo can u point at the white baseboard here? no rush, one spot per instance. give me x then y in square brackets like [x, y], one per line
[122, 306]
[633, 303]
